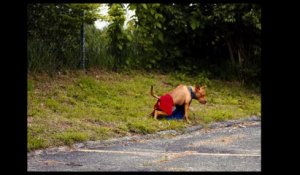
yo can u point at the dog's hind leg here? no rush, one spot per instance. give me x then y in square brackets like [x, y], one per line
[159, 113]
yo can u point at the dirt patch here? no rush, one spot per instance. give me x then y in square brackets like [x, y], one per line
[52, 162]
[168, 157]
[29, 121]
[175, 169]
[219, 140]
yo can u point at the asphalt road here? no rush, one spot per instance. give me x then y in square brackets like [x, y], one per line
[224, 146]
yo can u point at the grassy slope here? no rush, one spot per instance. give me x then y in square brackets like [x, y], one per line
[76, 107]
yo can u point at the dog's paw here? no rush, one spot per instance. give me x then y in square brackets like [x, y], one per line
[188, 121]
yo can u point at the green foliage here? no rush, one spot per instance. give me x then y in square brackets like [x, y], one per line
[150, 24]
[42, 57]
[222, 39]
[97, 48]
[200, 78]
[54, 22]
[242, 45]
[197, 36]
[53, 34]
[117, 37]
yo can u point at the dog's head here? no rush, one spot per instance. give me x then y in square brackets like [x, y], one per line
[200, 93]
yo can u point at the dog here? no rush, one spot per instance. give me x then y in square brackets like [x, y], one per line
[181, 95]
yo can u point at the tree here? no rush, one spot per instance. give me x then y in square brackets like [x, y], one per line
[116, 32]
[239, 26]
[202, 36]
[57, 26]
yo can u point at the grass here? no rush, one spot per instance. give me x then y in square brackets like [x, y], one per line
[76, 107]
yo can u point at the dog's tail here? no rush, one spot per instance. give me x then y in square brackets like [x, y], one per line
[151, 92]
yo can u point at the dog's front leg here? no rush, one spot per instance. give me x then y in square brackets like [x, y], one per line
[186, 112]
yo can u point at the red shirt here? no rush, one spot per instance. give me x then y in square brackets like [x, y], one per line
[165, 103]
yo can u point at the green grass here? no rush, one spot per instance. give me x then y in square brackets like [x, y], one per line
[76, 107]
[71, 136]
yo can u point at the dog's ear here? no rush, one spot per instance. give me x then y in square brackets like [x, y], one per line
[197, 87]
[203, 87]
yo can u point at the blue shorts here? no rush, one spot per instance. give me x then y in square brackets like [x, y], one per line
[178, 113]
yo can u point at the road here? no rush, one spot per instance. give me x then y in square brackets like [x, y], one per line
[224, 146]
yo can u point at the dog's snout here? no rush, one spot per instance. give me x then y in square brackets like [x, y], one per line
[202, 101]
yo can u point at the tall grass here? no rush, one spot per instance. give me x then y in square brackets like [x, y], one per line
[40, 56]
[97, 48]
[51, 57]
[48, 57]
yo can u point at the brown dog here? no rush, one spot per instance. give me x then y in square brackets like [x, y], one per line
[181, 95]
